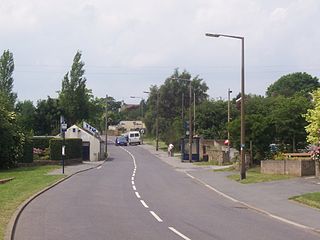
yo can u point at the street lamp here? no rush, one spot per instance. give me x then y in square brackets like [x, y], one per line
[229, 92]
[157, 120]
[190, 116]
[141, 106]
[242, 147]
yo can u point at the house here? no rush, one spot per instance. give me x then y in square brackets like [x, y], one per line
[93, 147]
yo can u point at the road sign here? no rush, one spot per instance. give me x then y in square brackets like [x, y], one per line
[142, 131]
[64, 126]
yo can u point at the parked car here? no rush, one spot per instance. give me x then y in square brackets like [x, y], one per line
[121, 141]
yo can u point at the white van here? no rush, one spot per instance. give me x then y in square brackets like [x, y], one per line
[133, 137]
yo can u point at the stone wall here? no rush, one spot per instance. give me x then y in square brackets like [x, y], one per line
[300, 167]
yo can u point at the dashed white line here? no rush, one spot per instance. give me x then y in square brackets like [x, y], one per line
[99, 167]
[138, 195]
[179, 233]
[144, 204]
[156, 216]
[134, 188]
[132, 178]
[132, 182]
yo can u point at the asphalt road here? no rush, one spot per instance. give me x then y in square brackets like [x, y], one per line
[137, 196]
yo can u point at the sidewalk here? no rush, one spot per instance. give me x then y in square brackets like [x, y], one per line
[72, 169]
[271, 198]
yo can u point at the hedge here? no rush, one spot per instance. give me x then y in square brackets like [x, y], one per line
[41, 142]
[28, 151]
[73, 148]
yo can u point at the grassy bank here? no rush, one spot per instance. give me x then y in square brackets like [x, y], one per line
[310, 199]
[26, 182]
[253, 175]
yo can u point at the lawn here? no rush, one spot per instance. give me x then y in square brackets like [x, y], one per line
[253, 175]
[310, 199]
[152, 141]
[27, 182]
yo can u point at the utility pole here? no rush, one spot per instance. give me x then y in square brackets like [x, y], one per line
[157, 122]
[194, 112]
[229, 92]
[106, 127]
[182, 113]
[63, 129]
[190, 122]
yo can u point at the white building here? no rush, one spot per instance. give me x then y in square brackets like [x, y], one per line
[93, 147]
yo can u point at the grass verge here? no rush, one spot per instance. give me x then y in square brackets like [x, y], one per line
[309, 199]
[150, 141]
[27, 182]
[253, 175]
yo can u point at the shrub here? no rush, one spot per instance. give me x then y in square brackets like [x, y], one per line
[73, 148]
[41, 142]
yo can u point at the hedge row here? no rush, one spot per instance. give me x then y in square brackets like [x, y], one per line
[73, 148]
[42, 142]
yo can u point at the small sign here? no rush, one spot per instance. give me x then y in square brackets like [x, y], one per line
[142, 131]
[63, 150]
[64, 126]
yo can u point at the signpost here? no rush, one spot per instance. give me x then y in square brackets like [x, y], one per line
[64, 127]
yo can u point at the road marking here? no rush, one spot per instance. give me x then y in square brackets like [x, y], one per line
[133, 175]
[179, 233]
[144, 204]
[134, 187]
[257, 209]
[138, 195]
[99, 167]
[156, 216]
[190, 176]
[132, 182]
[132, 179]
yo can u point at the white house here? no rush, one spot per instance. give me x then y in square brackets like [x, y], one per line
[93, 147]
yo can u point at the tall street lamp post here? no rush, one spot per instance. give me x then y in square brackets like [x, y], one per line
[242, 147]
[229, 92]
[106, 146]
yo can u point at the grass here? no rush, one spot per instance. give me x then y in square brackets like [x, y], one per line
[253, 175]
[309, 199]
[152, 141]
[27, 182]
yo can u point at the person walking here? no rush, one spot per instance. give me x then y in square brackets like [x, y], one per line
[170, 150]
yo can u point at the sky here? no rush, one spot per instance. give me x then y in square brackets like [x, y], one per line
[127, 46]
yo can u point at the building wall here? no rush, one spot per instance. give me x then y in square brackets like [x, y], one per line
[289, 167]
[76, 132]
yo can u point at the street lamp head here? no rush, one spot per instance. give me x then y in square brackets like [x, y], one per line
[213, 35]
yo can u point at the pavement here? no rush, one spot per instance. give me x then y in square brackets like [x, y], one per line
[72, 169]
[269, 198]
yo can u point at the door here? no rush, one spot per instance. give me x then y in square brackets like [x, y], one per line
[86, 151]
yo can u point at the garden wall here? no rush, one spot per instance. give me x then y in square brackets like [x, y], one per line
[298, 167]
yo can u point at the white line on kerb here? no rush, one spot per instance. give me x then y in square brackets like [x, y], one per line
[144, 204]
[179, 233]
[134, 187]
[156, 216]
[138, 195]
[190, 176]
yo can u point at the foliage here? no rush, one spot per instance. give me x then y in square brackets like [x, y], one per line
[12, 139]
[73, 148]
[293, 83]
[172, 95]
[47, 117]
[25, 115]
[27, 151]
[74, 96]
[310, 199]
[41, 142]
[6, 79]
[313, 118]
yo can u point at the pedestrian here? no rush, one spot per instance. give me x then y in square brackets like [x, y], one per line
[170, 150]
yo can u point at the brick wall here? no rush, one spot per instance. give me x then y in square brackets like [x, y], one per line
[289, 167]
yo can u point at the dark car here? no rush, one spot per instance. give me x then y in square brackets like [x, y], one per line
[121, 141]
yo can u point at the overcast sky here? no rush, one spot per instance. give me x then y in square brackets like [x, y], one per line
[128, 46]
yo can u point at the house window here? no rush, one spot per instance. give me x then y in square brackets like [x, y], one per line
[74, 130]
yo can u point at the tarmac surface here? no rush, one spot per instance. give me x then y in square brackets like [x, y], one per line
[270, 198]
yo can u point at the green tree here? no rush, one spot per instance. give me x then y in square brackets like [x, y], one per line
[47, 117]
[6, 79]
[74, 96]
[313, 118]
[26, 115]
[293, 83]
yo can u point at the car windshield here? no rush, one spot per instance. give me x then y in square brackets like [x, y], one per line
[122, 138]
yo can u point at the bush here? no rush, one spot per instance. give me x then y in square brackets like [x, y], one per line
[73, 148]
[27, 151]
[41, 142]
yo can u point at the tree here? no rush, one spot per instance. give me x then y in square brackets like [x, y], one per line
[293, 83]
[6, 79]
[47, 117]
[25, 115]
[313, 118]
[74, 96]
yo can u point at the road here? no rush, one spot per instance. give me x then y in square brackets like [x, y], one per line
[137, 196]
